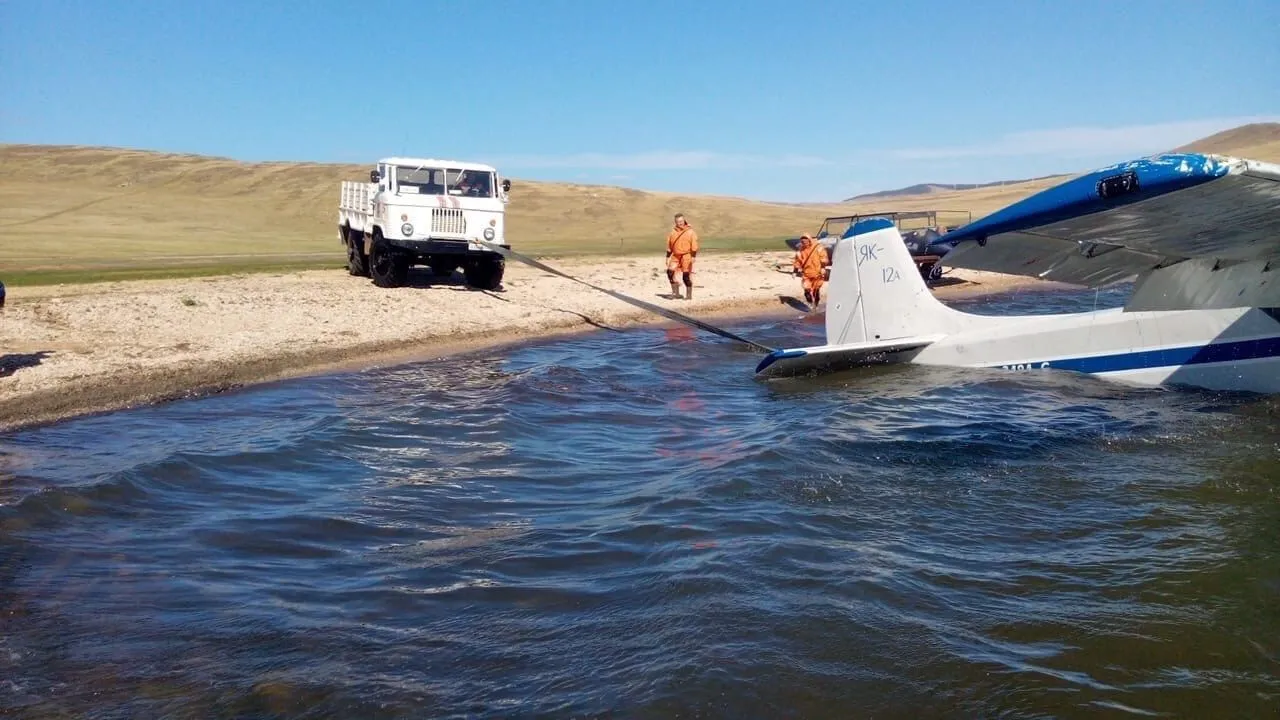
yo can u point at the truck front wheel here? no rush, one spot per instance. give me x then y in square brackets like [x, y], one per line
[388, 266]
[485, 273]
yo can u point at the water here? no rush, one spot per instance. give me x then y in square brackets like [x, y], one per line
[628, 524]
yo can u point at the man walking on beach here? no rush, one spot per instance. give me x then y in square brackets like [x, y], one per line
[682, 248]
[810, 264]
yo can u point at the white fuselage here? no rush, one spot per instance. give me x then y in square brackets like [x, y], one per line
[1227, 349]
[879, 310]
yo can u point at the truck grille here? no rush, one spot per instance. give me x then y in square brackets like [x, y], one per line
[447, 221]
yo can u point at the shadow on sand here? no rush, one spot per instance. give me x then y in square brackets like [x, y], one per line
[794, 303]
[12, 363]
[424, 277]
[421, 278]
[945, 281]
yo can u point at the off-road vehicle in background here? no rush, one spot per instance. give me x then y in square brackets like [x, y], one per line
[416, 211]
[924, 232]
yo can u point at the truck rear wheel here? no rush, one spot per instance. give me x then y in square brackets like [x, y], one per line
[357, 261]
[388, 267]
[485, 273]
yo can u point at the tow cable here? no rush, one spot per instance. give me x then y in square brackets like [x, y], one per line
[664, 312]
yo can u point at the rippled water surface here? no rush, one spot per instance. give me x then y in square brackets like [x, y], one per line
[628, 524]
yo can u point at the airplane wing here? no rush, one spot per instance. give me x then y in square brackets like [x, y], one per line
[1174, 222]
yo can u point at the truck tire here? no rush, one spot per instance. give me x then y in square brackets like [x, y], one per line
[443, 269]
[930, 273]
[388, 267]
[357, 261]
[923, 269]
[485, 273]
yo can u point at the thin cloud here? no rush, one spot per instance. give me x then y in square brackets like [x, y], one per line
[1072, 142]
[1085, 141]
[662, 160]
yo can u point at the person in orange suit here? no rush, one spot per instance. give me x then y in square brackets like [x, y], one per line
[682, 248]
[810, 264]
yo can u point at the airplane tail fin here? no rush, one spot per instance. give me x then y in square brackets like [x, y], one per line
[876, 292]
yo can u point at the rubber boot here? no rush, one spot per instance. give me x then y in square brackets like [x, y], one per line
[688, 290]
[675, 290]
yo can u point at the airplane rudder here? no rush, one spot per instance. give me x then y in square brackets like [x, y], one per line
[895, 301]
[844, 295]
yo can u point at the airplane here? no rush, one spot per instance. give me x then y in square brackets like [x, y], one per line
[1197, 234]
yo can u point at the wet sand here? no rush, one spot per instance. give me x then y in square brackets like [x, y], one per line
[73, 350]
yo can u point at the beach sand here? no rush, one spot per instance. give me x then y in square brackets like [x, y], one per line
[72, 350]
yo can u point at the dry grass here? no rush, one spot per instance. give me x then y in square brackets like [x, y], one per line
[1259, 141]
[76, 213]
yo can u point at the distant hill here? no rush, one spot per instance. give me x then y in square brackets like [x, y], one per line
[93, 205]
[1257, 141]
[81, 206]
[927, 188]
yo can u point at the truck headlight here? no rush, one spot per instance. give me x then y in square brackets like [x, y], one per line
[488, 233]
[407, 229]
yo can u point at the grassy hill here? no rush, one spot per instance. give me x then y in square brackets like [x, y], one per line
[128, 213]
[1258, 141]
[79, 213]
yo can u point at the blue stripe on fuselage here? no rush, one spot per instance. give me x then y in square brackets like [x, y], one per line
[1144, 359]
[871, 224]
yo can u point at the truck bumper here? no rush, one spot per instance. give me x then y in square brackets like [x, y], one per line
[443, 247]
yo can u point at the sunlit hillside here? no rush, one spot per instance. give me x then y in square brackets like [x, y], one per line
[117, 212]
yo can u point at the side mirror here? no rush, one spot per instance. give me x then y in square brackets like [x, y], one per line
[506, 185]
[374, 176]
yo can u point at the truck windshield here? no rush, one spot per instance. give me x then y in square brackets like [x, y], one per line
[441, 181]
[470, 183]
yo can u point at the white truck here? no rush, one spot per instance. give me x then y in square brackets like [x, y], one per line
[418, 211]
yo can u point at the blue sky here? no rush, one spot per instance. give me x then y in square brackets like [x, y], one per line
[797, 101]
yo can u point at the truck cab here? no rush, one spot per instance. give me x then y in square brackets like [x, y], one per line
[422, 211]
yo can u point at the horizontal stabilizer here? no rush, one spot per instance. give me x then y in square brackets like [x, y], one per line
[832, 358]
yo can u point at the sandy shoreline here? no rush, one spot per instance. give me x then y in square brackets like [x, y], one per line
[74, 350]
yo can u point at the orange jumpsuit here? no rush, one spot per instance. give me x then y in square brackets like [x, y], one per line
[811, 261]
[682, 243]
